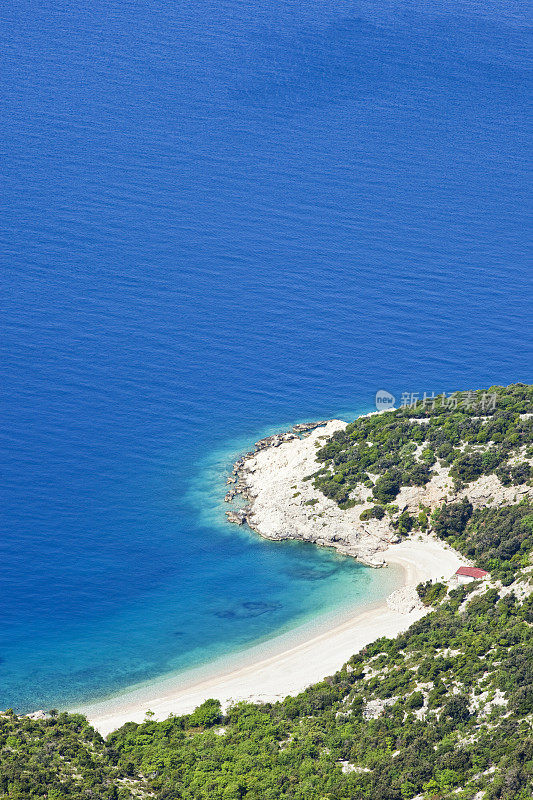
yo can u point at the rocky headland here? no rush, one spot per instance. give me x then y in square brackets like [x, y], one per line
[282, 505]
[282, 502]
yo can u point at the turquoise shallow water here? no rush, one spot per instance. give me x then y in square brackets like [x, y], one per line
[237, 590]
[216, 219]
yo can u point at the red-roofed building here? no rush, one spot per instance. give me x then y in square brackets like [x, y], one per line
[466, 574]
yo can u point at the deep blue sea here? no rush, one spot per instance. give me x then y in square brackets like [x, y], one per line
[219, 218]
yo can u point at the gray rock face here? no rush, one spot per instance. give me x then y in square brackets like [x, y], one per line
[284, 506]
[308, 426]
[274, 441]
[238, 517]
[405, 600]
[375, 708]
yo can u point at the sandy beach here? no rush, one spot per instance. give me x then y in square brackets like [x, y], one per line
[284, 665]
[288, 663]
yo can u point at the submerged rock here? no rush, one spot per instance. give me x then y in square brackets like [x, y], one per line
[237, 517]
[248, 610]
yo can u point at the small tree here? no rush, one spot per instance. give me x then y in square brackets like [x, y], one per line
[209, 713]
[416, 700]
[386, 487]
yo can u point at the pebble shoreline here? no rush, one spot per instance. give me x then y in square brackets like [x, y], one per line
[238, 479]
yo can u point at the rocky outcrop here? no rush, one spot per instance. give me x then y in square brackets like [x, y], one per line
[276, 480]
[375, 708]
[238, 517]
[38, 715]
[405, 600]
[308, 426]
[489, 491]
[282, 505]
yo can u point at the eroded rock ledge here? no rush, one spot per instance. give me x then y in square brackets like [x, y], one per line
[282, 504]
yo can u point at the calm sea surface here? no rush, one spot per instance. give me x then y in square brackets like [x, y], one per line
[217, 219]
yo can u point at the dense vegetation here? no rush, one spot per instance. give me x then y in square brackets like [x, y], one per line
[442, 711]
[60, 757]
[456, 699]
[497, 539]
[430, 738]
[470, 435]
